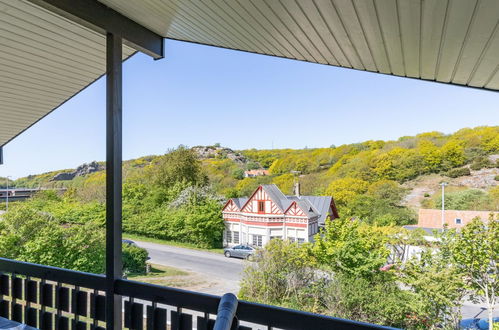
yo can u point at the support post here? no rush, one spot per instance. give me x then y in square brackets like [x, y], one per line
[114, 266]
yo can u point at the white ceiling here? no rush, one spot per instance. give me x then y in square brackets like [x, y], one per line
[451, 41]
[46, 59]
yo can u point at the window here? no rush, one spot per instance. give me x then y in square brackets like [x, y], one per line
[301, 240]
[274, 237]
[236, 237]
[257, 240]
[261, 206]
[228, 236]
[458, 221]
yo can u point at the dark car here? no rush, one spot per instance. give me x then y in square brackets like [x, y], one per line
[128, 242]
[481, 324]
[239, 251]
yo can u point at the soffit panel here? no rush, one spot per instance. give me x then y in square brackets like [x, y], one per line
[45, 60]
[452, 41]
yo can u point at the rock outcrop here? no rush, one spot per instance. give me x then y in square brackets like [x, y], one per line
[205, 152]
[79, 171]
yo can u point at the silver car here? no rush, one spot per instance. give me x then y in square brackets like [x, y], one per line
[239, 251]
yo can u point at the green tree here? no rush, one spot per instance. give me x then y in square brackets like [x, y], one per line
[350, 247]
[179, 165]
[346, 189]
[438, 288]
[280, 274]
[474, 250]
[238, 174]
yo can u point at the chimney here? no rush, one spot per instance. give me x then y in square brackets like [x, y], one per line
[297, 189]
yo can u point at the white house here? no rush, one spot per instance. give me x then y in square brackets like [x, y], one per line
[268, 214]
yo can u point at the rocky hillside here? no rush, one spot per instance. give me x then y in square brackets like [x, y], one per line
[208, 152]
[81, 170]
[467, 159]
[425, 186]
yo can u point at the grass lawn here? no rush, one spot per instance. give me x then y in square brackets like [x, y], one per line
[167, 276]
[171, 243]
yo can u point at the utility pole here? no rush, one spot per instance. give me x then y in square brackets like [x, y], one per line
[443, 184]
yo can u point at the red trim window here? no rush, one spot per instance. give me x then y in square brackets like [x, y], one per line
[261, 206]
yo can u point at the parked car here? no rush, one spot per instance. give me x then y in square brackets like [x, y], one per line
[239, 251]
[481, 324]
[128, 242]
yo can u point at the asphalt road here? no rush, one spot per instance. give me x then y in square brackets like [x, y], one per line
[214, 266]
[228, 271]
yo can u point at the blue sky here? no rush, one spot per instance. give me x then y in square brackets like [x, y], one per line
[201, 95]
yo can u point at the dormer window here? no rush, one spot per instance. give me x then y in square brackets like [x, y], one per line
[458, 221]
[261, 206]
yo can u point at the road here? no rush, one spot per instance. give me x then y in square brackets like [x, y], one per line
[226, 271]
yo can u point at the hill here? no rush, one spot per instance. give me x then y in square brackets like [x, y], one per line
[409, 168]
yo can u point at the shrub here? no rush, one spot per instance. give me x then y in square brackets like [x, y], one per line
[134, 259]
[457, 172]
[496, 178]
[482, 162]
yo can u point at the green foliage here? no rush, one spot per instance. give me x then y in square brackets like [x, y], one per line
[287, 274]
[34, 236]
[280, 274]
[470, 199]
[346, 189]
[285, 182]
[481, 162]
[252, 166]
[437, 286]
[377, 301]
[353, 248]
[474, 251]
[179, 165]
[238, 174]
[457, 172]
[194, 217]
[134, 259]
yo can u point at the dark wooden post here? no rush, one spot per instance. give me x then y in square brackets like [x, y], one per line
[113, 177]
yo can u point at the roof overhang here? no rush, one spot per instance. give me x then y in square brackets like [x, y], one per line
[51, 49]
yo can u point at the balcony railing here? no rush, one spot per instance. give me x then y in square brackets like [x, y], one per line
[52, 298]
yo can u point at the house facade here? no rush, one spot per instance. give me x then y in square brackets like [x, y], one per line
[269, 214]
[432, 218]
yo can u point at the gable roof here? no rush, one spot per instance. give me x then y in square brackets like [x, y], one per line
[240, 201]
[312, 206]
[276, 195]
[321, 205]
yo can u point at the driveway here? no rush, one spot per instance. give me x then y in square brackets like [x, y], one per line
[226, 271]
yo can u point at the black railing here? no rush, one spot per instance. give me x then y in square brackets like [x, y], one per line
[53, 298]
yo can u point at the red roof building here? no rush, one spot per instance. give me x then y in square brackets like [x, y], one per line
[432, 218]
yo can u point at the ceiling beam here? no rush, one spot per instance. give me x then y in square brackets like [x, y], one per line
[100, 18]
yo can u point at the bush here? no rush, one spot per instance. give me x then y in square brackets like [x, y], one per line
[281, 273]
[496, 178]
[457, 172]
[482, 162]
[380, 301]
[134, 259]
